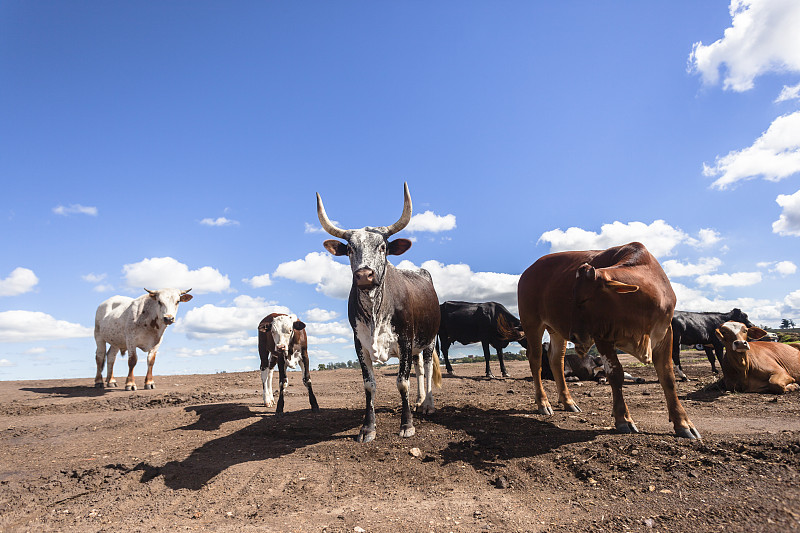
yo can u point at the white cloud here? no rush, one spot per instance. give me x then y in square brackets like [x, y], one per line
[763, 37]
[162, 272]
[429, 221]
[331, 278]
[313, 228]
[6, 363]
[775, 155]
[459, 282]
[789, 221]
[210, 321]
[104, 287]
[659, 237]
[676, 269]
[320, 315]
[322, 355]
[737, 279]
[789, 93]
[221, 221]
[35, 351]
[784, 268]
[75, 209]
[793, 300]
[20, 281]
[34, 326]
[94, 278]
[329, 328]
[705, 238]
[313, 340]
[258, 281]
[759, 310]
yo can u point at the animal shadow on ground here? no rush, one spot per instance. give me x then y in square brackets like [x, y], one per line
[268, 437]
[80, 391]
[500, 435]
[709, 393]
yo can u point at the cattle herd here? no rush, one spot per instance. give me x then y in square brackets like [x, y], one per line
[614, 299]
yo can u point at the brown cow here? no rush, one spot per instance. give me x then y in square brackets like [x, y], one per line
[615, 298]
[757, 366]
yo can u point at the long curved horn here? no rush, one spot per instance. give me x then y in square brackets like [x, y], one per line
[152, 293]
[325, 221]
[405, 218]
[186, 291]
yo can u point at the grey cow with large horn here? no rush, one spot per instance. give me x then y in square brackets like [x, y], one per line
[393, 313]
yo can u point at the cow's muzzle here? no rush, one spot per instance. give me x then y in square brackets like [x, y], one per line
[169, 319]
[364, 278]
[740, 346]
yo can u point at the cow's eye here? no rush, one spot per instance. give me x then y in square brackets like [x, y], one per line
[382, 247]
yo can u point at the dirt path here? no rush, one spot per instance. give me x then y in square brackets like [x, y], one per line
[200, 453]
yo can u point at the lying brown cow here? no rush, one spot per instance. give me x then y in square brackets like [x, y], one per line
[618, 297]
[753, 366]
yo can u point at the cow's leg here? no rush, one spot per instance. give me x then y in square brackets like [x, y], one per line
[503, 371]
[445, 347]
[780, 383]
[427, 356]
[403, 375]
[622, 418]
[677, 415]
[534, 354]
[712, 352]
[558, 348]
[100, 359]
[367, 432]
[130, 381]
[111, 357]
[266, 381]
[420, 372]
[486, 357]
[283, 384]
[676, 358]
[307, 382]
[149, 383]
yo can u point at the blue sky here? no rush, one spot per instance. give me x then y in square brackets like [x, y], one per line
[181, 143]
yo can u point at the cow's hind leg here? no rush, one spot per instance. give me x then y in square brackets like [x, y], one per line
[534, 355]
[420, 372]
[487, 356]
[100, 359]
[676, 359]
[307, 382]
[283, 384]
[266, 382]
[111, 358]
[710, 355]
[130, 381]
[403, 375]
[444, 345]
[430, 370]
[558, 348]
[149, 383]
[622, 418]
[503, 371]
[677, 415]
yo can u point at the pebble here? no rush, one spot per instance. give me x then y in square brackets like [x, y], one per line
[416, 452]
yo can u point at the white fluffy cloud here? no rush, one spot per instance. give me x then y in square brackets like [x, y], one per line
[775, 155]
[320, 315]
[34, 326]
[6, 363]
[430, 221]
[792, 300]
[258, 281]
[162, 272]
[737, 279]
[789, 221]
[20, 281]
[784, 268]
[789, 93]
[676, 269]
[331, 278]
[75, 209]
[759, 310]
[237, 320]
[659, 237]
[329, 328]
[220, 221]
[763, 37]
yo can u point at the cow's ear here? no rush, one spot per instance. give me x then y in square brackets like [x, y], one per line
[398, 247]
[298, 325]
[754, 333]
[335, 247]
[587, 272]
[622, 288]
[186, 297]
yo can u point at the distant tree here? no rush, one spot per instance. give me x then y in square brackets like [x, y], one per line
[787, 323]
[321, 366]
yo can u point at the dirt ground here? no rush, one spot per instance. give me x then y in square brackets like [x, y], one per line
[201, 453]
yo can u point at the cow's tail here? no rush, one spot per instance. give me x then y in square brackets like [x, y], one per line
[437, 370]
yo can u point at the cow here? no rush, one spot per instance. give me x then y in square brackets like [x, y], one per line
[393, 313]
[282, 341]
[467, 322]
[619, 297]
[698, 328]
[577, 367]
[126, 324]
[757, 366]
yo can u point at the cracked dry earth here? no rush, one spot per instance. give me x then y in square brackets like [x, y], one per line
[201, 453]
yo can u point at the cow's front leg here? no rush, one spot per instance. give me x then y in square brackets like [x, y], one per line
[622, 418]
[130, 381]
[100, 359]
[558, 348]
[149, 383]
[266, 382]
[663, 363]
[712, 353]
[367, 432]
[283, 383]
[676, 359]
[403, 374]
[503, 371]
[111, 357]
[307, 382]
[444, 345]
[486, 357]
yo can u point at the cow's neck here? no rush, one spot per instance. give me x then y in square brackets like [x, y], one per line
[372, 304]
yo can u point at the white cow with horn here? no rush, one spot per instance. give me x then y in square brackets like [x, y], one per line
[126, 324]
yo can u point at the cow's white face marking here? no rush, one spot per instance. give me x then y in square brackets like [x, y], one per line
[379, 343]
[367, 249]
[167, 301]
[736, 334]
[282, 331]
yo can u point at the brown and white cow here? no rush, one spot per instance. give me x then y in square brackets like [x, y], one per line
[282, 341]
[614, 298]
[753, 366]
[126, 324]
[393, 313]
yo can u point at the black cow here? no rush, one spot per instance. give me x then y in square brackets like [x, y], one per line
[579, 367]
[468, 322]
[698, 328]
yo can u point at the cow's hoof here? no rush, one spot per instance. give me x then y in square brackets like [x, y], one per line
[450, 372]
[269, 404]
[688, 433]
[149, 386]
[490, 376]
[505, 375]
[627, 427]
[98, 385]
[130, 387]
[366, 435]
[572, 408]
[426, 408]
[545, 410]
[279, 414]
[714, 371]
[407, 432]
[112, 384]
[315, 408]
